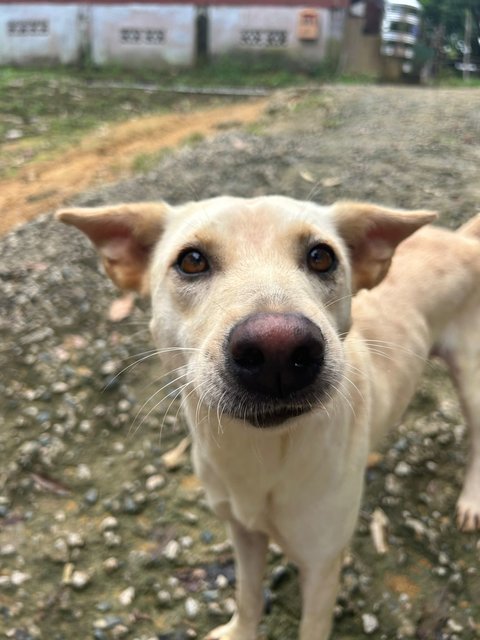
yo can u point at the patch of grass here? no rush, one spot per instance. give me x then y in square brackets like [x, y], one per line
[45, 110]
[54, 103]
[42, 111]
[194, 138]
[145, 162]
[454, 80]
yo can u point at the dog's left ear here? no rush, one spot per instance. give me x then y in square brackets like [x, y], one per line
[372, 233]
[124, 236]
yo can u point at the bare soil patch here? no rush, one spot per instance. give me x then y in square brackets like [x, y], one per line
[109, 154]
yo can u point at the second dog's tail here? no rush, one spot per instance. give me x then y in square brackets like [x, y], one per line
[472, 227]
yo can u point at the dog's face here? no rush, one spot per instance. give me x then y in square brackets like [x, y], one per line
[258, 293]
[250, 297]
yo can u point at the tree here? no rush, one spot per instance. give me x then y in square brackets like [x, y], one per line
[444, 28]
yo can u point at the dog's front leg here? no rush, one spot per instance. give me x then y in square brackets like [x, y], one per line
[319, 592]
[250, 549]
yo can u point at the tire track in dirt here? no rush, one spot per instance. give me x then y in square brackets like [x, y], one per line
[106, 155]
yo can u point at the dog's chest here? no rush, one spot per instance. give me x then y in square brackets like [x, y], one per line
[241, 480]
[262, 479]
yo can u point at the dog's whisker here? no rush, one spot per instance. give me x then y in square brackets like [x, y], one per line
[220, 413]
[142, 357]
[314, 190]
[392, 346]
[176, 395]
[341, 393]
[330, 303]
[149, 399]
[175, 392]
[351, 383]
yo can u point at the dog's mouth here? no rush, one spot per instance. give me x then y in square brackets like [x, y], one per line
[265, 419]
[263, 412]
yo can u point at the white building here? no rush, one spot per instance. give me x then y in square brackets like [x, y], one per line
[155, 33]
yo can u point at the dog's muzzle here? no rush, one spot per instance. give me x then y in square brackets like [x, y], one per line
[275, 358]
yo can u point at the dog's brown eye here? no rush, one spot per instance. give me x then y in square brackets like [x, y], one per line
[321, 258]
[192, 262]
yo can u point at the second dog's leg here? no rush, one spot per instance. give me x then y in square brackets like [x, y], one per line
[250, 558]
[466, 375]
[461, 351]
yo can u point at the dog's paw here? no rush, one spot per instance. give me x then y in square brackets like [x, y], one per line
[219, 633]
[468, 513]
[230, 631]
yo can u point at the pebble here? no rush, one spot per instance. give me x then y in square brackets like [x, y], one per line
[172, 550]
[109, 367]
[80, 580]
[192, 608]
[454, 626]
[403, 469]
[13, 134]
[154, 482]
[131, 506]
[15, 579]
[393, 485]
[186, 542]
[120, 631]
[19, 577]
[221, 581]
[111, 564]
[112, 539]
[214, 609]
[179, 593]
[221, 547]
[369, 623]
[164, 597]
[110, 522]
[126, 596]
[75, 540]
[59, 387]
[210, 595]
[7, 550]
[83, 472]
[206, 537]
[91, 496]
[60, 551]
[189, 517]
[407, 629]
[108, 622]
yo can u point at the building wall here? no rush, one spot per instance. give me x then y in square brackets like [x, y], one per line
[140, 34]
[361, 52]
[154, 33]
[40, 33]
[267, 29]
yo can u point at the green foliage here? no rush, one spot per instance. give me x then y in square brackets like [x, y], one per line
[450, 13]
[444, 33]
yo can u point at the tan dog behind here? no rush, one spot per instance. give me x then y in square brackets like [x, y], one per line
[287, 380]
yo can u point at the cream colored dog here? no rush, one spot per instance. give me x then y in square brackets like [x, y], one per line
[288, 380]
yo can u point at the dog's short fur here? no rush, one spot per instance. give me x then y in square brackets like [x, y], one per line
[288, 380]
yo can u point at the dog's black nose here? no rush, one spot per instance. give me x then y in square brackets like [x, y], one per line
[275, 354]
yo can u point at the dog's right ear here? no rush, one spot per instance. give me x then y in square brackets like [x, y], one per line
[124, 236]
[372, 233]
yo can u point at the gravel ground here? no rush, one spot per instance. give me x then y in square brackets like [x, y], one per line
[99, 537]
